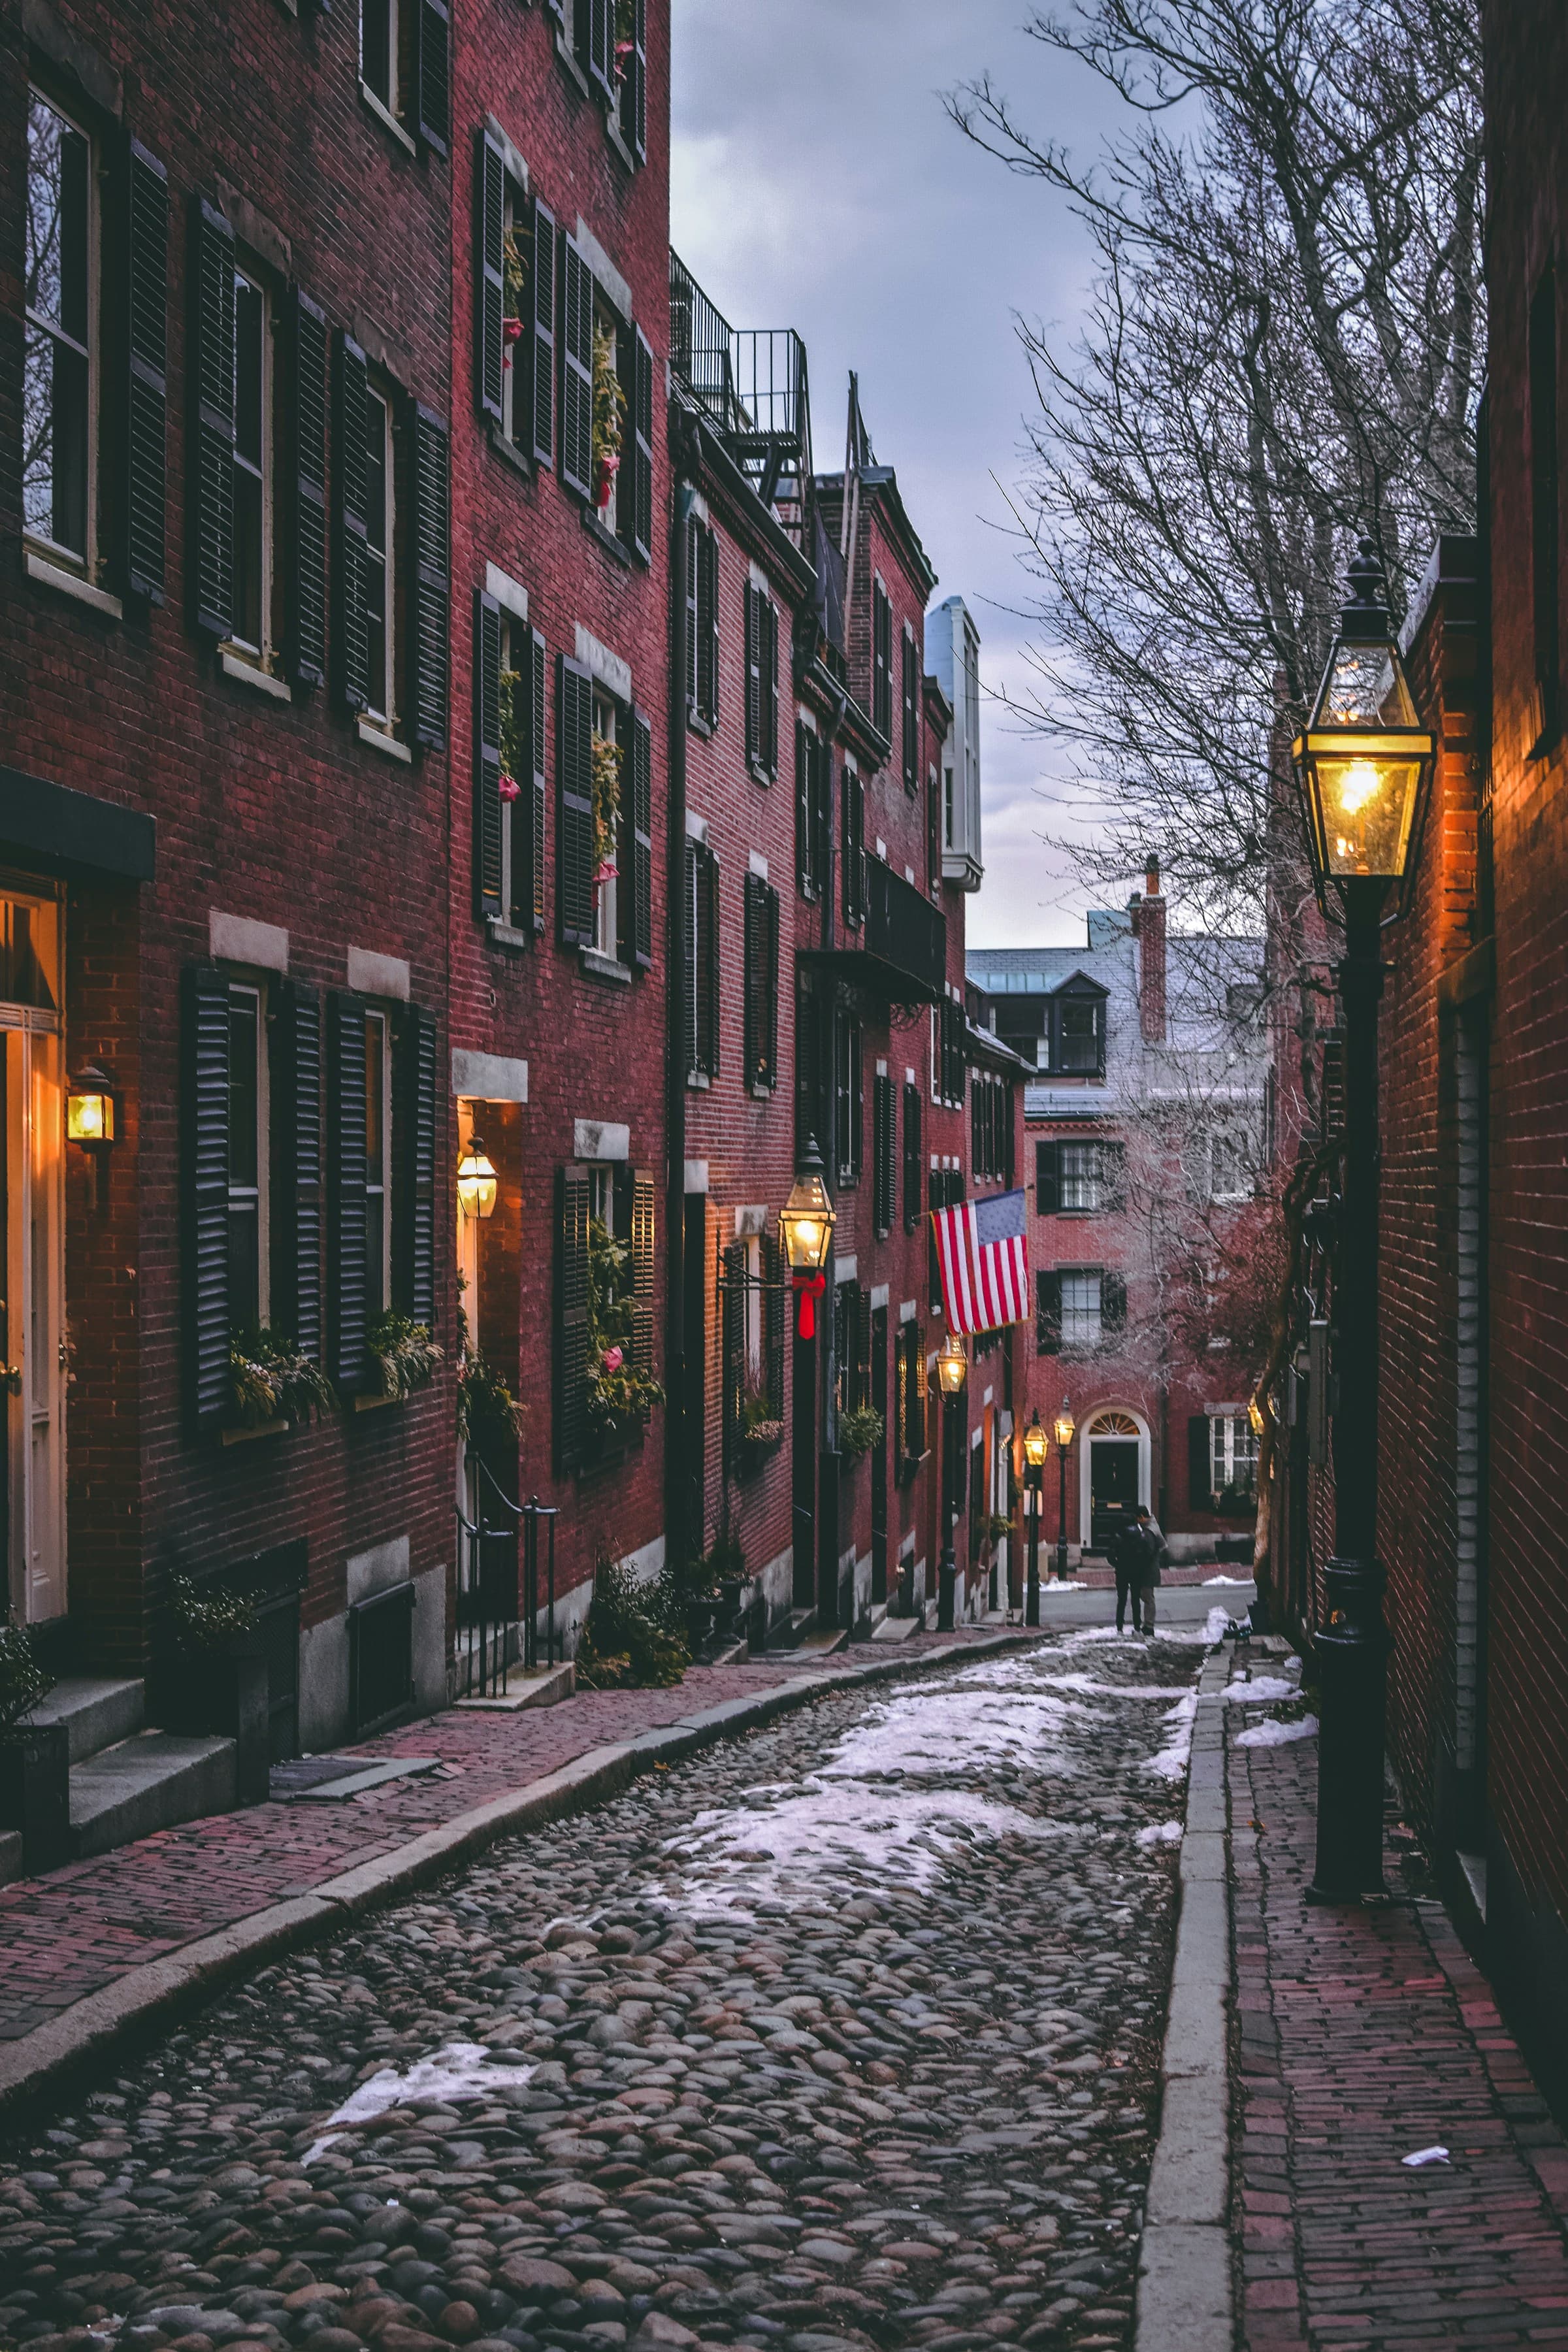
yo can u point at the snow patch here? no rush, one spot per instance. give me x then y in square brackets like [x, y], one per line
[1173, 1759]
[1275, 1734]
[1087, 1684]
[1161, 1833]
[1225, 1580]
[457, 2069]
[1261, 1687]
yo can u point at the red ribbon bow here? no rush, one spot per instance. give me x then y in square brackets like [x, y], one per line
[807, 1289]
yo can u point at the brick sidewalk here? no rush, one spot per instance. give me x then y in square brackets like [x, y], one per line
[82, 1927]
[1365, 2035]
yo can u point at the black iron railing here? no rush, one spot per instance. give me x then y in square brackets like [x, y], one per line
[499, 1599]
[753, 385]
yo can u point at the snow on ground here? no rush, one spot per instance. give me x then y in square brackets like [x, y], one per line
[459, 2070]
[1272, 1733]
[1261, 1687]
[1173, 1759]
[1161, 1833]
[1225, 1580]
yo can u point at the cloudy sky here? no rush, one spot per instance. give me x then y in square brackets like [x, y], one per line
[818, 185]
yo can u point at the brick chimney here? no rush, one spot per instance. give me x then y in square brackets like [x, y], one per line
[1150, 929]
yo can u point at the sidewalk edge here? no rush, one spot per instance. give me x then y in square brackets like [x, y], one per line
[1185, 2299]
[37, 2061]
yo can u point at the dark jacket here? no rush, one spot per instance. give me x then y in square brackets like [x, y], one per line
[1139, 1551]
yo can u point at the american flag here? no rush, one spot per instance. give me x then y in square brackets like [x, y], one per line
[983, 1257]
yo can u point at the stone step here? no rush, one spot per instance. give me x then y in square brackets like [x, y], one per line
[525, 1686]
[823, 1640]
[96, 1711]
[146, 1783]
[788, 1633]
[896, 1629]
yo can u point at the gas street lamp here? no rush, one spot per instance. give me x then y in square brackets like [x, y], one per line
[951, 1371]
[806, 1233]
[1036, 1447]
[1067, 1429]
[1360, 762]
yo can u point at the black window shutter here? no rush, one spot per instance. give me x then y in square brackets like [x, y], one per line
[488, 761]
[770, 616]
[912, 703]
[911, 1158]
[711, 627]
[352, 633]
[577, 373]
[541, 343]
[528, 904]
[854, 850]
[884, 1124]
[977, 1154]
[1200, 1463]
[433, 74]
[936, 1196]
[211, 422]
[145, 483]
[414, 1202]
[857, 1097]
[489, 274]
[1113, 1175]
[804, 864]
[594, 25]
[705, 966]
[572, 1318]
[641, 420]
[1048, 1314]
[1048, 1178]
[296, 1101]
[732, 1344]
[432, 567]
[753, 677]
[207, 1190]
[881, 656]
[636, 80]
[693, 613]
[641, 765]
[573, 802]
[305, 492]
[645, 1238]
[762, 969]
[346, 1183]
[1113, 1302]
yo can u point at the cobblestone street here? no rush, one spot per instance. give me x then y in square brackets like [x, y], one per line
[847, 2032]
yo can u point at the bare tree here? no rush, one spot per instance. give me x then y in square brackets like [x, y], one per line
[1281, 351]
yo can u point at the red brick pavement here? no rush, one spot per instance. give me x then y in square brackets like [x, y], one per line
[1365, 2034]
[65, 1935]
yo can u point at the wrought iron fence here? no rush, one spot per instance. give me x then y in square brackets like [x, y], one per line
[499, 1599]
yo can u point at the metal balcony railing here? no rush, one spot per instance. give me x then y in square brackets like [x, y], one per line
[904, 930]
[752, 384]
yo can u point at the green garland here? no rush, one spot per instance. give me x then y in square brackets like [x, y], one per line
[617, 1390]
[606, 759]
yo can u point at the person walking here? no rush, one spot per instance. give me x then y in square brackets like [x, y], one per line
[1147, 1550]
[1129, 1552]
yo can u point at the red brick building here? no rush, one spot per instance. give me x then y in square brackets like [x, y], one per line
[224, 402]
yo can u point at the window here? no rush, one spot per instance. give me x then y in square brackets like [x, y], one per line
[947, 1052]
[762, 683]
[911, 686]
[701, 623]
[701, 982]
[629, 72]
[813, 1075]
[854, 849]
[1078, 1308]
[599, 745]
[380, 584]
[380, 42]
[912, 1394]
[753, 1301]
[811, 789]
[1078, 1030]
[1233, 1458]
[913, 1185]
[58, 402]
[1545, 494]
[884, 1153]
[1079, 1178]
[991, 1129]
[949, 808]
[594, 1204]
[252, 630]
[945, 1191]
[248, 1157]
[881, 661]
[514, 310]
[762, 985]
[934, 828]
[851, 1347]
[850, 1091]
[377, 1167]
[509, 768]
[1230, 1168]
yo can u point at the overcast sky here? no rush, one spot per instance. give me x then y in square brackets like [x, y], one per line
[818, 185]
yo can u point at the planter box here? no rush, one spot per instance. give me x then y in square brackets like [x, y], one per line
[35, 1793]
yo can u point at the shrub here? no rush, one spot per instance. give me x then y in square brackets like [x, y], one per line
[488, 1412]
[628, 1640]
[859, 1430]
[404, 1353]
[203, 1618]
[23, 1680]
[272, 1380]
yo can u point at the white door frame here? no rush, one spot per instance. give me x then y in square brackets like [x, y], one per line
[1145, 1444]
[35, 1280]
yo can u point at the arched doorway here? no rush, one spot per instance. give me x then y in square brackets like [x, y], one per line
[1114, 1468]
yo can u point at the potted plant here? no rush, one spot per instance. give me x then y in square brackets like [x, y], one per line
[761, 1425]
[272, 1380]
[625, 37]
[489, 1416]
[860, 1429]
[402, 1352]
[212, 1678]
[727, 1568]
[609, 418]
[620, 1396]
[998, 1525]
[35, 1758]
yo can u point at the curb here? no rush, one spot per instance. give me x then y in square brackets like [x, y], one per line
[100, 2022]
[1185, 2300]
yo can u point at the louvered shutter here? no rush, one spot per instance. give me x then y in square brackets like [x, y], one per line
[414, 1200]
[936, 1198]
[488, 761]
[1200, 1463]
[636, 82]
[693, 613]
[862, 1375]
[305, 491]
[770, 1030]
[572, 1318]
[702, 920]
[882, 655]
[641, 501]
[577, 373]
[911, 743]
[489, 276]
[144, 487]
[352, 635]
[769, 712]
[1048, 1314]
[431, 597]
[856, 1098]
[433, 74]
[346, 1192]
[1113, 1175]
[887, 1152]
[711, 624]
[977, 1154]
[527, 889]
[212, 422]
[911, 1158]
[754, 676]
[732, 1345]
[1113, 1302]
[573, 802]
[205, 1125]
[594, 34]
[541, 343]
[761, 1005]
[806, 879]
[295, 1106]
[644, 1201]
[640, 923]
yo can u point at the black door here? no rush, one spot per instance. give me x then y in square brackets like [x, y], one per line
[1112, 1487]
[693, 1400]
[879, 1456]
[803, 1474]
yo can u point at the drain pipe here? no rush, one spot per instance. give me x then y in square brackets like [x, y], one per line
[676, 1447]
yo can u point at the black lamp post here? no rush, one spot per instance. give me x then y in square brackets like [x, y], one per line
[1360, 763]
[951, 1371]
[1067, 1429]
[1035, 1444]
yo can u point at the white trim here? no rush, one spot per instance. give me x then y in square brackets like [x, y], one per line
[382, 116]
[612, 673]
[370, 975]
[235, 939]
[487, 1078]
[509, 595]
[597, 1139]
[71, 583]
[698, 509]
[761, 581]
[845, 1269]
[606, 276]
[1145, 1459]
[750, 1221]
[696, 1177]
[908, 1311]
[757, 863]
[250, 673]
[879, 1298]
[515, 164]
[696, 827]
[369, 732]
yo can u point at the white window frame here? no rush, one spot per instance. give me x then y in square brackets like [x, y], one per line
[384, 714]
[391, 102]
[255, 991]
[751, 1330]
[259, 653]
[1233, 1446]
[378, 1026]
[1228, 1159]
[83, 559]
[1082, 1316]
[1087, 1181]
